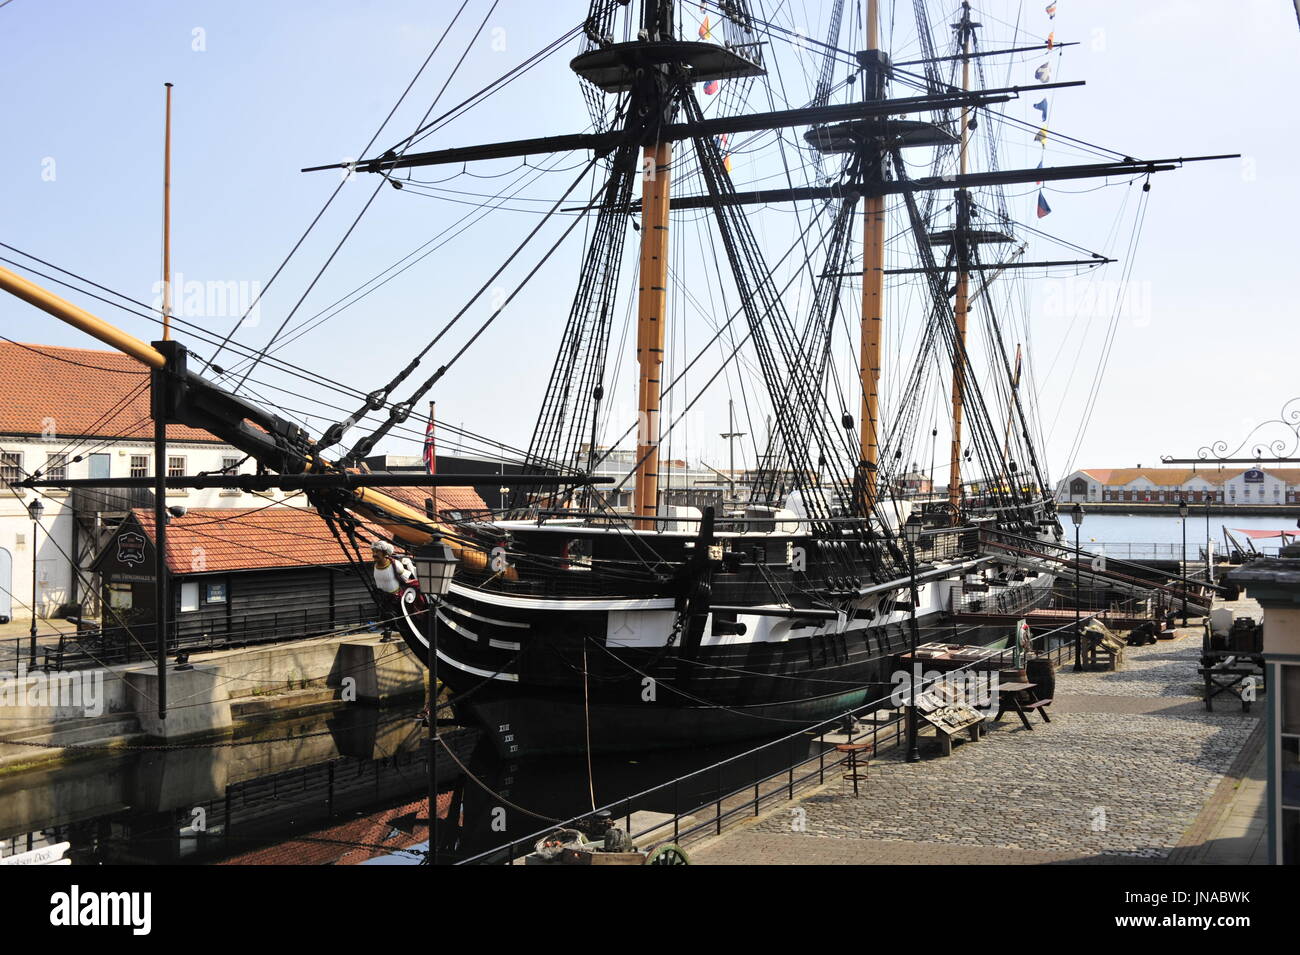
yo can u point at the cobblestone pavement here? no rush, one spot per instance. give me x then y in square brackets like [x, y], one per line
[1119, 775]
[1164, 668]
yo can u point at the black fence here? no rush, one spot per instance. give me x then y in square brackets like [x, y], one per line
[132, 644]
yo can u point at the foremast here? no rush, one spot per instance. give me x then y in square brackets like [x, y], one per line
[873, 281]
[652, 294]
[961, 250]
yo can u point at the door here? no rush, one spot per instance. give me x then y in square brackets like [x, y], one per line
[6, 585]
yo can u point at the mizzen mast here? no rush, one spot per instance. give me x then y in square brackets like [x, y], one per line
[962, 239]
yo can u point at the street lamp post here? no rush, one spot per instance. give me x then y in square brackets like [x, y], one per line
[1076, 515]
[1182, 563]
[912, 532]
[34, 510]
[1209, 559]
[435, 565]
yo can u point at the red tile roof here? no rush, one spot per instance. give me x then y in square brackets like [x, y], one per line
[464, 499]
[279, 535]
[1173, 477]
[258, 538]
[355, 841]
[79, 392]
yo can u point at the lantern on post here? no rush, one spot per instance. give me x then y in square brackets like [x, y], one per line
[35, 510]
[1076, 515]
[912, 534]
[435, 565]
[1182, 559]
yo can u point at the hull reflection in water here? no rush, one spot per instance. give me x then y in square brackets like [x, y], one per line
[238, 803]
[529, 795]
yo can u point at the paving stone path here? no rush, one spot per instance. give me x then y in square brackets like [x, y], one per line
[1120, 774]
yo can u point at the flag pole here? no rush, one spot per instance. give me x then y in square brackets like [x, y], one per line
[431, 451]
[167, 220]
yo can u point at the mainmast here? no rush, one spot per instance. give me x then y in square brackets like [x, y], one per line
[871, 140]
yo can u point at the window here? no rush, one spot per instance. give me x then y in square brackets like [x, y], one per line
[176, 465]
[56, 467]
[189, 596]
[11, 466]
[119, 596]
[214, 593]
[139, 465]
[230, 465]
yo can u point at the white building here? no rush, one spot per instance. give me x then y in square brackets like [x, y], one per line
[1204, 483]
[80, 413]
[679, 482]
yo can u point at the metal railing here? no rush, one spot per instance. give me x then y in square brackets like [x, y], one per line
[1163, 550]
[778, 786]
[116, 645]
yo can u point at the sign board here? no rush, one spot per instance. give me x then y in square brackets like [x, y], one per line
[1253, 476]
[46, 855]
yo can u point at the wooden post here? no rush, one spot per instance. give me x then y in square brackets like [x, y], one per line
[652, 301]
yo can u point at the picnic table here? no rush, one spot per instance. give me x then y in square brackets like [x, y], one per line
[1227, 672]
[1021, 698]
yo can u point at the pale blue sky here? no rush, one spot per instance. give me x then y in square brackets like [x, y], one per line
[1207, 346]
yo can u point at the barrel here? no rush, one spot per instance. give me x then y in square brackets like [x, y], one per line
[1042, 673]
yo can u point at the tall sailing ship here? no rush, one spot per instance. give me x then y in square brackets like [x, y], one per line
[574, 625]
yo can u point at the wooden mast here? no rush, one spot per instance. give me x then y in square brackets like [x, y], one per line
[873, 288]
[651, 302]
[652, 298]
[962, 305]
[167, 221]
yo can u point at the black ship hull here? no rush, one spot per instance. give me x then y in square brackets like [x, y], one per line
[568, 676]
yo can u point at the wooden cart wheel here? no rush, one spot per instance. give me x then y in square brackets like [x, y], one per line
[668, 854]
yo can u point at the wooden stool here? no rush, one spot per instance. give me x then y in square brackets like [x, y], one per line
[853, 749]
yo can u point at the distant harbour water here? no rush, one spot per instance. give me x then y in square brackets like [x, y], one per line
[1131, 529]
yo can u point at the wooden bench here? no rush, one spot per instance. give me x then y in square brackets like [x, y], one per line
[1114, 656]
[945, 738]
[1041, 706]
